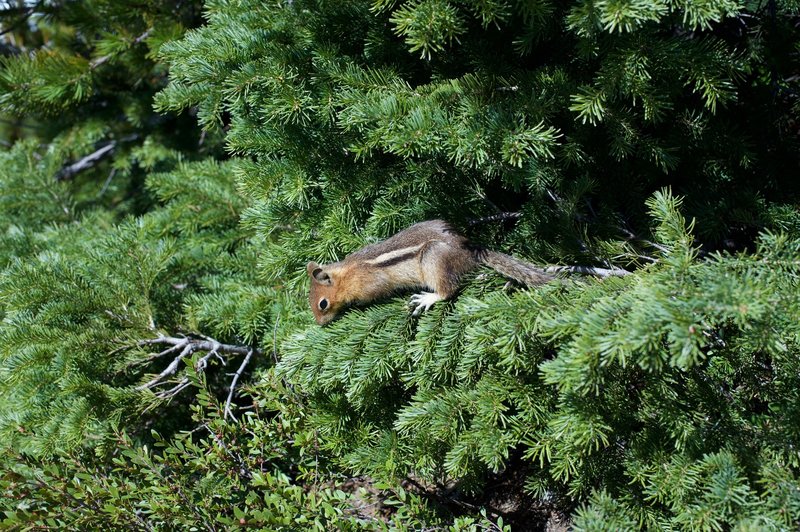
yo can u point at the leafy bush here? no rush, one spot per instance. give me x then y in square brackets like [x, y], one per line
[220, 475]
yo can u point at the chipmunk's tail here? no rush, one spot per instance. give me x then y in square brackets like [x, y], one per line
[519, 270]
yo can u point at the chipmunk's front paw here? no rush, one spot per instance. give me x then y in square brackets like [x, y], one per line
[423, 301]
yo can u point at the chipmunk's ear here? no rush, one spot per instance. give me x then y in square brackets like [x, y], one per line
[315, 272]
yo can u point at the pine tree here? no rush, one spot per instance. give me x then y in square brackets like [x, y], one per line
[140, 253]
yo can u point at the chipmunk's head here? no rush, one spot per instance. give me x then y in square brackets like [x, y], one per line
[325, 304]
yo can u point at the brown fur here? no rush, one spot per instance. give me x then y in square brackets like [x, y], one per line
[427, 255]
[519, 270]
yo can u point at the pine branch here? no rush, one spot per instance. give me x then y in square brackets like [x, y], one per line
[100, 60]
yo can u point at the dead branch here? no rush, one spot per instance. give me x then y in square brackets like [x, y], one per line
[169, 370]
[175, 390]
[204, 344]
[68, 172]
[185, 347]
[91, 160]
[238, 374]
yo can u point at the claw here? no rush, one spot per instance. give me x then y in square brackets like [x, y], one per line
[422, 302]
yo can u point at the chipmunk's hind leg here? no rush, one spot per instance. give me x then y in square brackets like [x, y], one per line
[441, 265]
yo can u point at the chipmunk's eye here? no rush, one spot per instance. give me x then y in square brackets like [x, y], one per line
[323, 304]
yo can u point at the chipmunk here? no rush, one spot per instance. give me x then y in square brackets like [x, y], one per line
[426, 255]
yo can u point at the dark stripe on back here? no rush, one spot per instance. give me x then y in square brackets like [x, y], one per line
[396, 260]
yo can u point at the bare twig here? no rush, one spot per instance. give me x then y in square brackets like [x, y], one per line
[108, 182]
[481, 194]
[448, 499]
[176, 347]
[17, 123]
[635, 256]
[184, 383]
[93, 158]
[553, 196]
[203, 362]
[186, 346]
[661, 248]
[198, 345]
[630, 235]
[238, 374]
[169, 370]
[89, 161]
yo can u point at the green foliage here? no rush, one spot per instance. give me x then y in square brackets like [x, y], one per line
[219, 475]
[711, 492]
[453, 135]
[658, 364]
[428, 25]
[161, 181]
[79, 78]
[29, 200]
